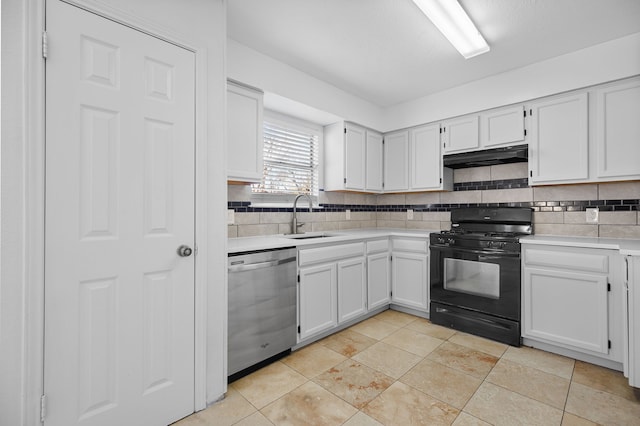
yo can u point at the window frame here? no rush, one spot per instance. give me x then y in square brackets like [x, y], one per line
[284, 120]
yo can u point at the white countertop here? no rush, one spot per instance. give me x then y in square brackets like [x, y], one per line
[236, 245]
[625, 246]
[241, 244]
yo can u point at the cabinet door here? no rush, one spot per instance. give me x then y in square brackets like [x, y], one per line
[409, 280]
[396, 161]
[460, 134]
[633, 315]
[244, 134]
[318, 299]
[352, 289]
[566, 307]
[558, 148]
[502, 127]
[354, 152]
[618, 131]
[426, 160]
[374, 162]
[378, 287]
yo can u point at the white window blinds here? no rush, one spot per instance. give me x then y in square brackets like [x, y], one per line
[290, 159]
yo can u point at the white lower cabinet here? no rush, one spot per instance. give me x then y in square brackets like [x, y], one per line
[332, 287]
[410, 273]
[632, 329]
[378, 274]
[581, 323]
[352, 289]
[318, 305]
[571, 298]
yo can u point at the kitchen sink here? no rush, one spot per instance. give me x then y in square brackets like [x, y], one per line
[308, 236]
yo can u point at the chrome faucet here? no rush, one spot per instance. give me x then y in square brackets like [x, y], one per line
[295, 225]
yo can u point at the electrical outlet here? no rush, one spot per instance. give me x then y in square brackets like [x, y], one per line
[348, 214]
[231, 216]
[409, 214]
[592, 215]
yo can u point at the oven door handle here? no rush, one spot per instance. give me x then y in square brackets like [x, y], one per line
[483, 253]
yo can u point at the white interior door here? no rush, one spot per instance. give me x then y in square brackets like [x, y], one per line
[119, 300]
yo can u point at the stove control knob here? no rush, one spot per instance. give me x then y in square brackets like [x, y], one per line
[441, 240]
[450, 241]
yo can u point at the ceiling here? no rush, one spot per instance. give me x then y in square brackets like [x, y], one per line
[387, 52]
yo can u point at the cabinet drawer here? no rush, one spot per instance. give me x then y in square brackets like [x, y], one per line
[584, 261]
[419, 246]
[327, 254]
[377, 246]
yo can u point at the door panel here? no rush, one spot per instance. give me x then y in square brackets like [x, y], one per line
[119, 310]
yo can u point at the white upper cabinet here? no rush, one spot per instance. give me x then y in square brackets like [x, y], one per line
[374, 155]
[460, 134]
[244, 133]
[355, 159]
[352, 158]
[396, 161]
[502, 127]
[617, 131]
[559, 144]
[426, 171]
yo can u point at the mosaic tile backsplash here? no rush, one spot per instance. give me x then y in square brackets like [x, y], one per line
[558, 210]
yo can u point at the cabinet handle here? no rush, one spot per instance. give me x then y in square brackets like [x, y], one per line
[626, 270]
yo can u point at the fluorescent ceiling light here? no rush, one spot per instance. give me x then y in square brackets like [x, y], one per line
[455, 25]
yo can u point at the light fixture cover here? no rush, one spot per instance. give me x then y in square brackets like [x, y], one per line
[452, 21]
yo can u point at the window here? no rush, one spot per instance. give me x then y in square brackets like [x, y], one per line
[291, 157]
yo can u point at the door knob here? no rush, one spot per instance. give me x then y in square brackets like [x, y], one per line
[184, 251]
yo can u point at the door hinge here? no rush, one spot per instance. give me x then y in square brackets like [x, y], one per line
[345, 130]
[390, 257]
[298, 329]
[383, 185]
[444, 145]
[440, 180]
[609, 343]
[382, 141]
[345, 180]
[530, 173]
[525, 132]
[530, 112]
[608, 286]
[298, 278]
[440, 130]
[525, 112]
[43, 408]
[45, 45]
[390, 294]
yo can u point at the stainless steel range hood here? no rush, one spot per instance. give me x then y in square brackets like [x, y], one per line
[488, 157]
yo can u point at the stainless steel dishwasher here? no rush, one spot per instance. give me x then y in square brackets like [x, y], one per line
[262, 306]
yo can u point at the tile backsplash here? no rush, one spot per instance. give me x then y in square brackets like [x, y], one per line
[558, 210]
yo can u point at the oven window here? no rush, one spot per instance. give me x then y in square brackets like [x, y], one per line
[472, 277]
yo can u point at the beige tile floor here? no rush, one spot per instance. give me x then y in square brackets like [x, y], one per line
[398, 369]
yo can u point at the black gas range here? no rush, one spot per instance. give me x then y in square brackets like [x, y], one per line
[475, 271]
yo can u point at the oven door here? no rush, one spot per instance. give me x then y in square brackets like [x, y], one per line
[478, 280]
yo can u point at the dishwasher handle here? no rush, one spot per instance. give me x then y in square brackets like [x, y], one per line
[260, 265]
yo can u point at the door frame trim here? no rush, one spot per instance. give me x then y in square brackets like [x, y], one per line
[33, 271]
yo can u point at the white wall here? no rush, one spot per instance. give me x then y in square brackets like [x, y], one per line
[202, 22]
[608, 61]
[251, 67]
